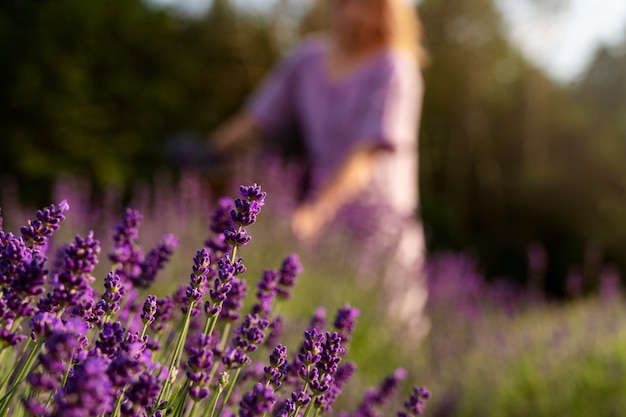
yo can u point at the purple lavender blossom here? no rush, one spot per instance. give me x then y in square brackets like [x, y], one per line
[37, 232]
[141, 393]
[163, 313]
[416, 402]
[220, 222]
[73, 281]
[12, 252]
[275, 331]
[289, 271]
[199, 366]
[237, 238]
[222, 285]
[61, 346]
[42, 324]
[155, 261]
[276, 371]
[311, 347]
[128, 361]
[81, 256]
[234, 300]
[344, 321]
[198, 277]
[87, 391]
[110, 339]
[113, 293]
[331, 353]
[221, 219]
[234, 358]
[244, 214]
[25, 280]
[149, 310]
[250, 333]
[127, 255]
[376, 397]
[318, 320]
[257, 402]
[266, 292]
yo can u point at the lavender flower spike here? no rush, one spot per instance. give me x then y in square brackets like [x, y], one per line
[289, 271]
[257, 402]
[244, 214]
[344, 321]
[149, 310]
[37, 232]
[416, 403]
[87, 392]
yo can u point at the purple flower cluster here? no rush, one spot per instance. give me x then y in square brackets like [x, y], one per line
[220, 222]
[198, 278]
[132, 265]
[73, 280]
[105, 353]
[199, 367]
[244, 214]
[37, 232]
[155, 261]
[248, 336]
[87, 391]
[289, 271]
[416, 402]
[377, 397]
[344, 321]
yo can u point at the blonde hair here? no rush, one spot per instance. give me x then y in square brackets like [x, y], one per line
[406, 29]
[403, 24]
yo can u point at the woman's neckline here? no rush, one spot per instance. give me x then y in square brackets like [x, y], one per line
[345, 77]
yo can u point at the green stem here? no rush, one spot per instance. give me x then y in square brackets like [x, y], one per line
[308, 408]
[233, 253]
[143, 331]
[21, 374]
[180, 401]
[222, 345]
[306, 386]
[213, 404]
[118, 405]
[193, 408]
[65, 376]
[231, 386]
[209, 324]
[177, 353]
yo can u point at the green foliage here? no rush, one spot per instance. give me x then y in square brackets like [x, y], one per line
[96, 88]
[548, 361]
[507, 156]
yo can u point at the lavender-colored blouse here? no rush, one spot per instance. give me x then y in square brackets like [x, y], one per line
[376, 106]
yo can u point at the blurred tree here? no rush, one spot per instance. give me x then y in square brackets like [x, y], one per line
[95, 88]
[508, 156]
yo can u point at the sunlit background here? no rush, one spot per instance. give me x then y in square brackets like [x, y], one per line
[522, 173]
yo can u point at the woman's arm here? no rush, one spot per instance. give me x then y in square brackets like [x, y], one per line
[344, 185]
[240, 130]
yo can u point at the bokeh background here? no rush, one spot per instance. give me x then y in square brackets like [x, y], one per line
[522, 172]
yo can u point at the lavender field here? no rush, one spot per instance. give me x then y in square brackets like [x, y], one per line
[492, 349]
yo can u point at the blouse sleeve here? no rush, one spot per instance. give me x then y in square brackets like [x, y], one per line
[391, 109]
[272, 104]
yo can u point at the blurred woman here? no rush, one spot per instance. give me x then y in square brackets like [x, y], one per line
[355, 92]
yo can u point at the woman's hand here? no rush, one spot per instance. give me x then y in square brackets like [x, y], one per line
[309, 219]
[234, 133]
